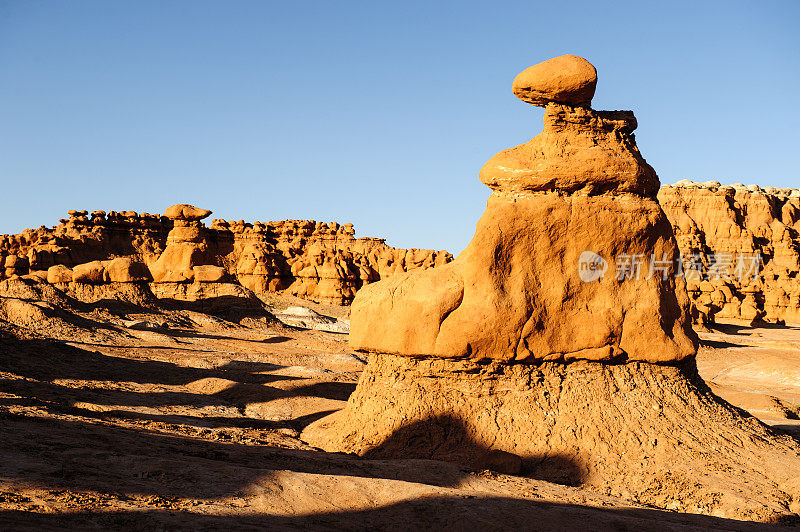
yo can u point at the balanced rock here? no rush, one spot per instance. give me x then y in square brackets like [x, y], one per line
[186, 246]
[183, 211]
[187, 269]
[566, 79]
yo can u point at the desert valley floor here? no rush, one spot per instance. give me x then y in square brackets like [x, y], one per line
[189, 416]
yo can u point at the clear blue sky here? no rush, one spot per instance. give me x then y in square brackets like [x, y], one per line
[377, 113]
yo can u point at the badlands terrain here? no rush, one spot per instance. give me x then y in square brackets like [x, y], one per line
[606, 353]
[125, 416]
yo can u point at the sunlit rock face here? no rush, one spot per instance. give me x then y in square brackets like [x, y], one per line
[183, 258]
[740, 247]
[516, 292]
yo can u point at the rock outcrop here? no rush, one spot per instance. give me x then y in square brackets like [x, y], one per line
[186, 246]
[529, 345]
[515, 293]
[567, 79]
[182, 258]
[740, 247]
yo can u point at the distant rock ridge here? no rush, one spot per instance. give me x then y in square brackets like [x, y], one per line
[740, 247]
[182, 258]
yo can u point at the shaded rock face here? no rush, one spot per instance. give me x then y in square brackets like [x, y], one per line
[742, 245]
[515, 350]
[318, 261]
[516, 293]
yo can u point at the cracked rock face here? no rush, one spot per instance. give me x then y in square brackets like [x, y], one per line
[516, 292]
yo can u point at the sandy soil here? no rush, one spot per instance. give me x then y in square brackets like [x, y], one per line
[196, 424]
[757, 369]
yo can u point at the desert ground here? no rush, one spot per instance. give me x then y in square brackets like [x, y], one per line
[189, 416]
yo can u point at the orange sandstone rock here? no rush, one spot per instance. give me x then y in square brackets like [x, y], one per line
[745, 241]
[59, 274]
[567, 79]
[320, 261]
[126, 270]
[184, 211]
[515, 293]
[91, 272]
[579, 151]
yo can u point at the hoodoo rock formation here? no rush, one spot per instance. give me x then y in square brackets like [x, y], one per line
[740, 248]
[182, 258]
[544, 339]
[515, 293]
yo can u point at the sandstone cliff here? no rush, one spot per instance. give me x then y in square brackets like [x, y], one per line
[182, 258]
[740, 248]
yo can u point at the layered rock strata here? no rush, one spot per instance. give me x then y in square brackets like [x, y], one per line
[740, 247]
[531, 344]
[181, 257]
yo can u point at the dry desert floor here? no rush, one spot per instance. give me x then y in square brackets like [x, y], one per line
[192, 419]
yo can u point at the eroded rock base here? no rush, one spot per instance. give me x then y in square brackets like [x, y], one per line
[653, 434]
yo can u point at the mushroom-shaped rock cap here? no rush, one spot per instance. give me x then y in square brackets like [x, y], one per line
[183, 211]
[566, 79]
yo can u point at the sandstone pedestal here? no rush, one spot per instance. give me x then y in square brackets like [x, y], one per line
[651, 433]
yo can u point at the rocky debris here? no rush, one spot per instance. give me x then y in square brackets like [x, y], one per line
[322, 262]
[516, 349]
[567, 79]
[740, 247]
[306, 318]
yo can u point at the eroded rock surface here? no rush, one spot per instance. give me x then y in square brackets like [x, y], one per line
[516, 293]
[740, 247]
[182, 258]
